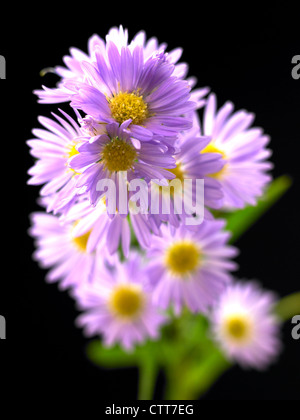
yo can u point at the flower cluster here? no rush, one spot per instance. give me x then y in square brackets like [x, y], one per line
[137, 130]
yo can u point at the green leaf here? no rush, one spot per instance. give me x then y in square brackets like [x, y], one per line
[288, 307]
[111, 357]
[240, 221]
[116, 356]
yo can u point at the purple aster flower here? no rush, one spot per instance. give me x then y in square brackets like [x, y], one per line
[107, 231]
[244, 325]
[65, 254]
[122, 87]
[118, 306]
[73, 74]
[108, 154]
[190, 266]
[193, 165]
[53, 148]
[244, 175]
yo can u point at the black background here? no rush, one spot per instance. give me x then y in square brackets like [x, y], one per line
[244, 54]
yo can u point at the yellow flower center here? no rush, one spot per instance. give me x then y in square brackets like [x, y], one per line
[125, 106]
[211, 148]
[81, 241]
[173, 187]
[118, 155]
[237, 328]
[183, 258]
[127, 301]
[72, 152]
[178, 172]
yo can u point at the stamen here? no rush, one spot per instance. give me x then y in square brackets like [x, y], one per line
[237, 328]
[211, 148]
[127, 301]
[118, 155]
[81, 241]
[178, 172]
[183, 258]
[125, 106]
[71, 151]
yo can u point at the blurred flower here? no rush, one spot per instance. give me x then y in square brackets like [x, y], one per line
[110, 232]
[244, 175]
[191, 164]
[118, 306]
[60, 251]
[245, 326]
[53, 148]
[189, 266]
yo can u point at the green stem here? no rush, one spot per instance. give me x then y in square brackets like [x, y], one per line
[147, 379]
[191, 381]
[240, 221]
[288, 307]
[174, 389]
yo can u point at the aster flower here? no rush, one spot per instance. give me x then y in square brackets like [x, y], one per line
[74, 72]
[60, 251]
[193, 165]
[190, 266]
[244, 175]
[244, 325]
[118, 306]
[110, 232]
[114, 151]
[53, 148]
[123, 87]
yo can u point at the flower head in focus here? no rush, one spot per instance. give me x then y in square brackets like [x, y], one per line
[114, 151]
[121, 87]
[244, 325]
[73, 74]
